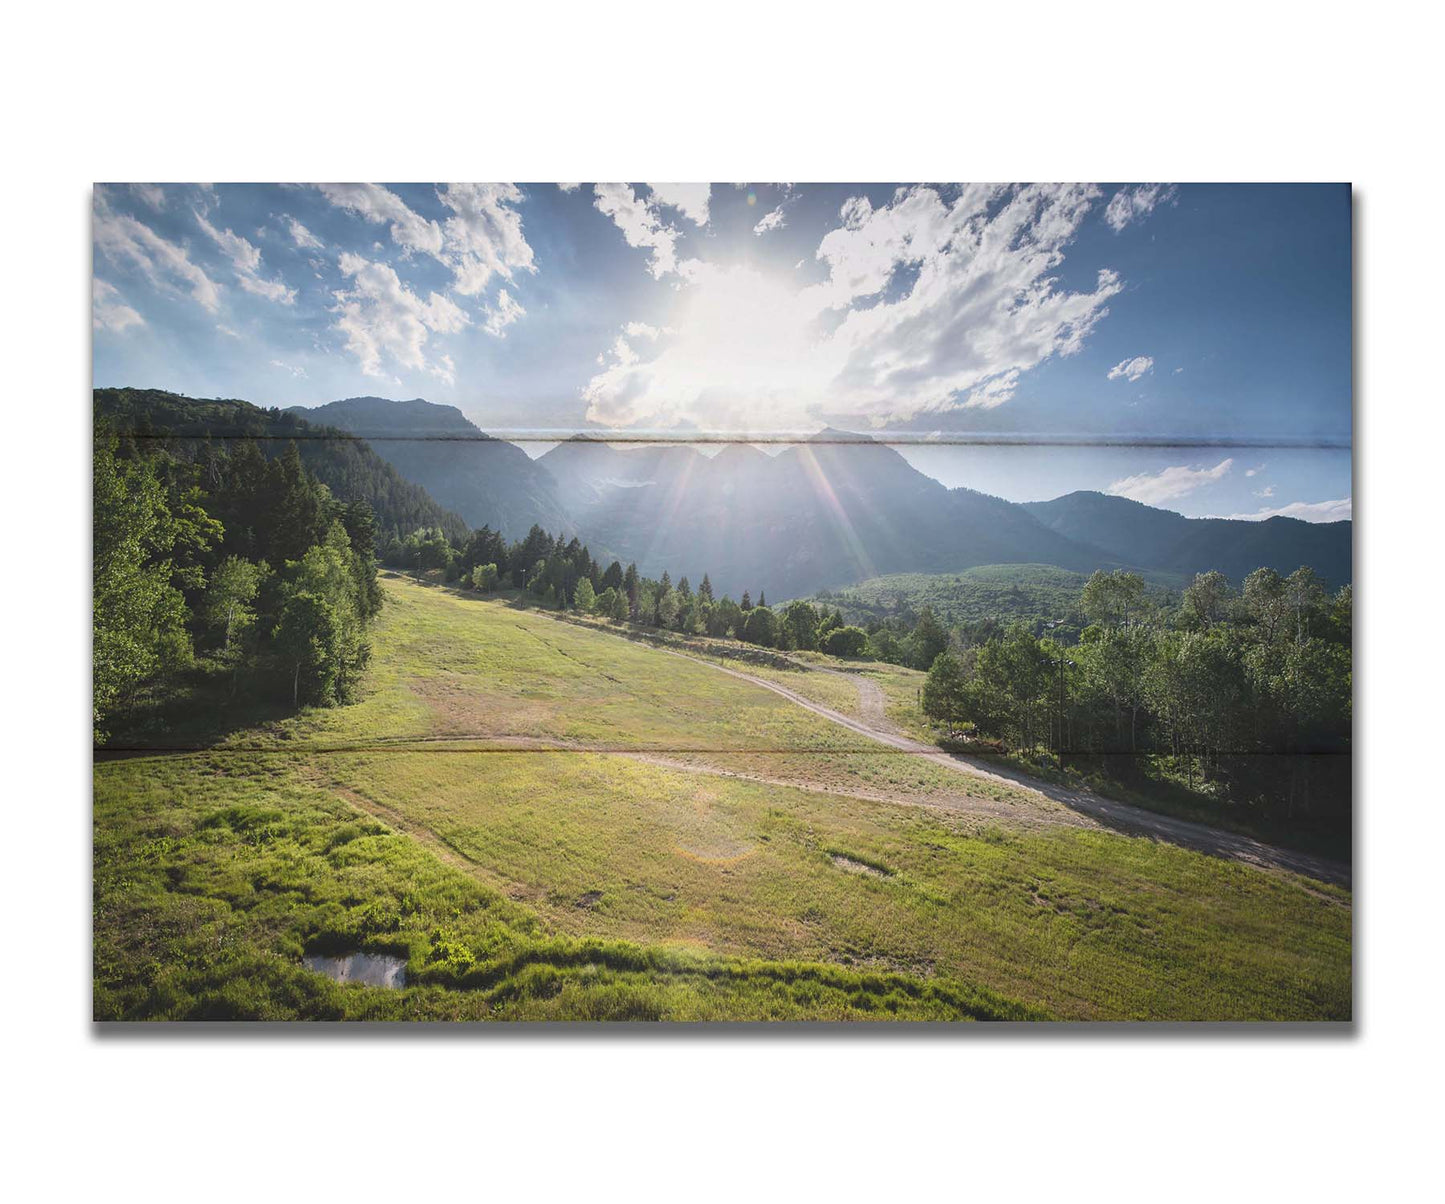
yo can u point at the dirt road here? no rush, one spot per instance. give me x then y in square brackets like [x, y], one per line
[1120, 816]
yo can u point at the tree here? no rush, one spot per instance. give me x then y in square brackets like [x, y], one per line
[762, 598]
[586, 596]
[485, 578]
[747, 602]
[800, 623]
[927, 641]
[309, 639]
[1206, 600]
[705, 589]
[138, 611]
[760, 627]
[232, 589]
[1113, 599]
[945, 691]
[846, 641]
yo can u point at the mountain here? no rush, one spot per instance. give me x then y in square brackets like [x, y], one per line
[488, 481]
[833, 510]
[346, 465]
[1160, 539]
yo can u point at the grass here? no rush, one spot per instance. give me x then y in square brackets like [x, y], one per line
[215, 873]
[586, 884]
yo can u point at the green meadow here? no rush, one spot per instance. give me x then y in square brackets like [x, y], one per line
[549, 821]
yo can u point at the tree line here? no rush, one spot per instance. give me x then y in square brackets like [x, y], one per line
[1243, 693]
[563, 574]
[244, 570]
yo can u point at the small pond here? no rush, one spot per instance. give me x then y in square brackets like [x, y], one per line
[369, 969]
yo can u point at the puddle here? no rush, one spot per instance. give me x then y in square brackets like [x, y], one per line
[369, 969]
[855, 867]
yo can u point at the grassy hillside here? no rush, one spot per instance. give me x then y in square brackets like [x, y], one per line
[552, 821]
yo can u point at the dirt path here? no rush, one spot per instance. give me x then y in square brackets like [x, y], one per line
[1121, 816]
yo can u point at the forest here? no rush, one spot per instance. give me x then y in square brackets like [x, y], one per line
[243, 572]
[1242, 695]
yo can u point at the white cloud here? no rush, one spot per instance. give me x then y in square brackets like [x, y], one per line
[381, 317]
[127, 242]
[1334, 511]
[109, 310]
[301, 236]
[1256, 470]
[772, 220]
[1267, 491]
[929, 304]
[484, 234]
[482, 237]
[291, 368]
[227, 331]
[691, 200]
[569, 187]
[502, 315]
[152, 195]
[1169, 483]
[1132, 370]
[641, 330]
[375, 204]
[246, 260]
[1137, 203]
[641, 225]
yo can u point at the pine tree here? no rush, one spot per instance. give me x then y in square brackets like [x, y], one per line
[747, 602]
[705, 589]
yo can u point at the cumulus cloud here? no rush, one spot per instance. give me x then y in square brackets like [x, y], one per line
[1334, 511]
[246, 260]
[483, 236]
[109, 310]
[127, 242]
[641, 225]
[301, 236]
[382, 318]
[930, 304]
[378, 205]
[1256, 470]
[691, 200]
[503, 314]
[1132, 370]
[1136, 203]
[1152, 488]
[569, 187]
[772, 220]
[1267, 491]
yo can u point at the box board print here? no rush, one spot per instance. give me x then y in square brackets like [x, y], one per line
[646, 602]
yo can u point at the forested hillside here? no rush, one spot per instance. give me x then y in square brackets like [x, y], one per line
[487, 481]
[977, 601]
[198, 430]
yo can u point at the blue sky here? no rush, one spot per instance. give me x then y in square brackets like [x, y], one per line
[1115, 313]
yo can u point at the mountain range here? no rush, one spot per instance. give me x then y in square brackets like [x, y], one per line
[834, 510]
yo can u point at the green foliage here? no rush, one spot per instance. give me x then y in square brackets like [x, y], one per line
[760, 627]
[846, 641]
[229, 596]
[485, 578]
[140, 618]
